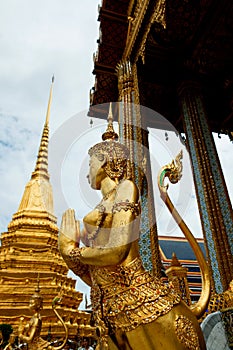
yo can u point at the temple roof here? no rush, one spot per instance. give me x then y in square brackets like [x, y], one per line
[180, 246]
[170, 41]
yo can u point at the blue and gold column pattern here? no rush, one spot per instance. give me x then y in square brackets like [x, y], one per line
[213, 200]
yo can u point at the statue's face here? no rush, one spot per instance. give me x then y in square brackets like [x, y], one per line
[96, 172]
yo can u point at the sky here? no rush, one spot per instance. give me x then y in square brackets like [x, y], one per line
[39, 39]
[42, 38]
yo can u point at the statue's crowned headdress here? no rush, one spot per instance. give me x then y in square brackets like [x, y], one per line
[116, 153]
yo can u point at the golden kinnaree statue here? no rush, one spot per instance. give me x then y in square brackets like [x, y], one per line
[30, 333]
[132, 308]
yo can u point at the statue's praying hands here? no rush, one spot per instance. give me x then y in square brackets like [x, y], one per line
[69, 230]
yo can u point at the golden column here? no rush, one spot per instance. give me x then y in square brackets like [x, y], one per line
[135, 135]
[213, 200]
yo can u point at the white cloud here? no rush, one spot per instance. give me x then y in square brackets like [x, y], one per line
[38, 39]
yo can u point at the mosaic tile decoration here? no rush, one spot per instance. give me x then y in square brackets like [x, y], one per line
[205, 217]
[218, 180]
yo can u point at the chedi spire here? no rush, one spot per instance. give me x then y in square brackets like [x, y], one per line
[37, 202]
[41, 168]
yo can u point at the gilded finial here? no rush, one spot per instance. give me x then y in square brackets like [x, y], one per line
[38, 283]
[49, 103]
[41, 167]
[110, 134]
[175, 261]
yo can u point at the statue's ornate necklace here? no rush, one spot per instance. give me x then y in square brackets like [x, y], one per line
[101, 215]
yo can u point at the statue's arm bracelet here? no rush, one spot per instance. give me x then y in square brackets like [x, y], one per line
[75, 264]
[126, 205]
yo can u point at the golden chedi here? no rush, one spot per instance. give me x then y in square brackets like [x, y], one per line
[30, 247]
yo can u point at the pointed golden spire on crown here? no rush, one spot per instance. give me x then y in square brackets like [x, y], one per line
[175, 261]
[110, 133]
[41, 168]
[116, 153]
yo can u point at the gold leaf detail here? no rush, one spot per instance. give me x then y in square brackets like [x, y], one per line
[186, 333]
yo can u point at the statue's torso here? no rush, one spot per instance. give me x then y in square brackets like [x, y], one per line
[124, 291]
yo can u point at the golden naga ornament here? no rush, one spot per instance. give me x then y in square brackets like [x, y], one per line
[174, 172]
[132, 309]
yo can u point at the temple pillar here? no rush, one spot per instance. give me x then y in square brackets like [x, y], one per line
[212, 196]
[135, 136]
